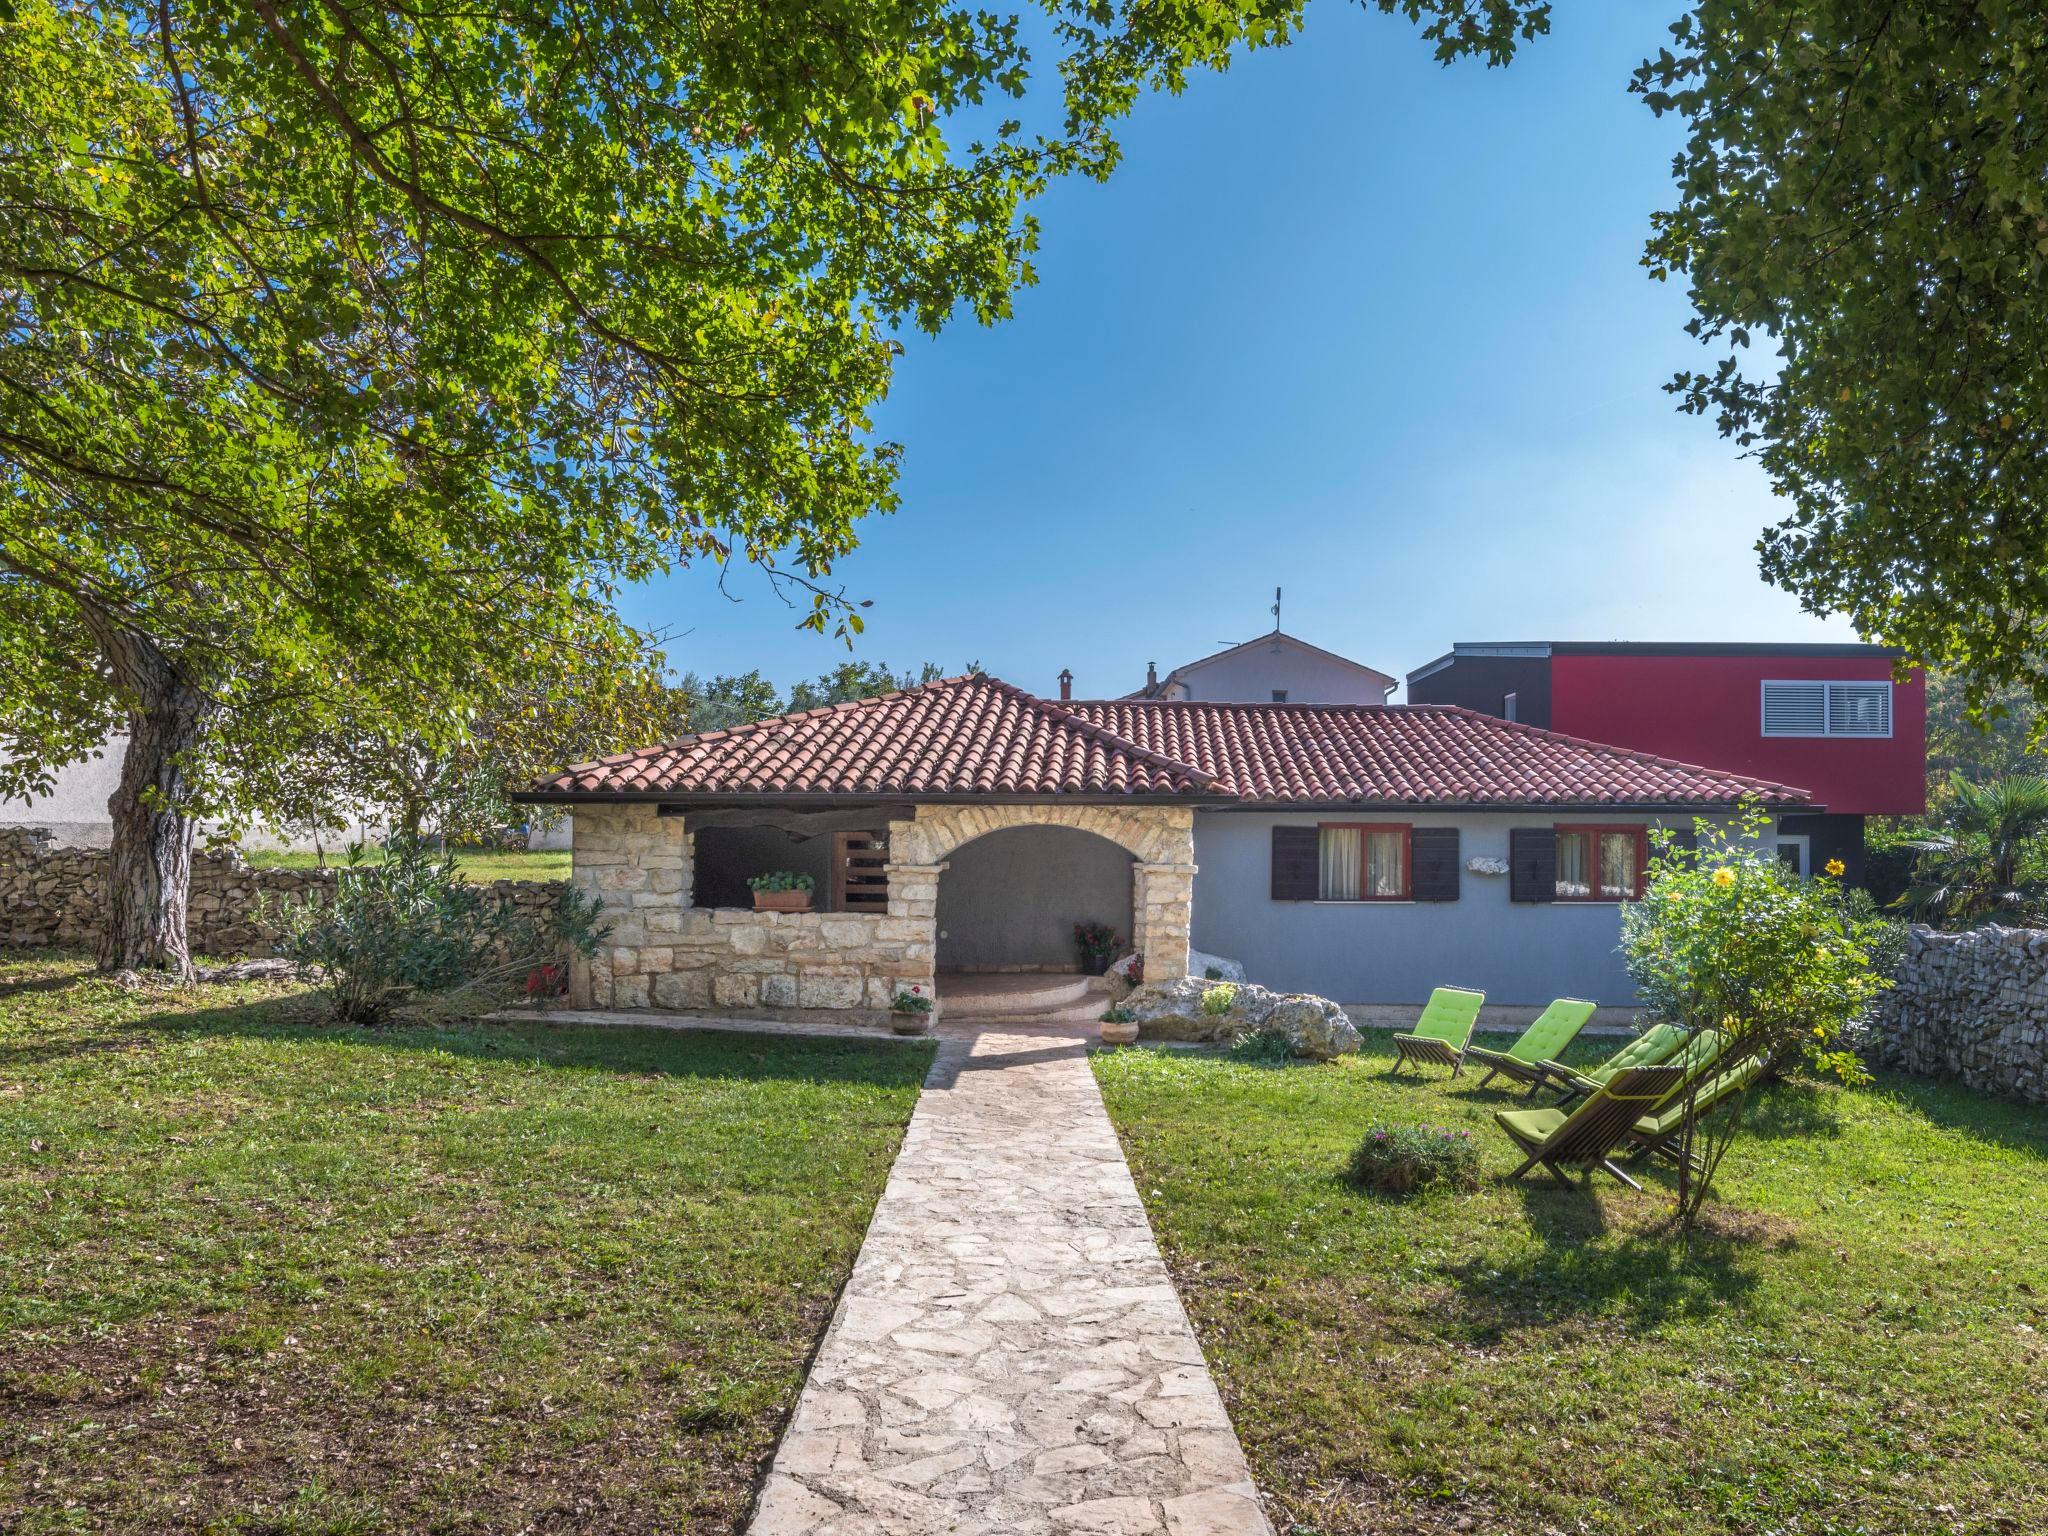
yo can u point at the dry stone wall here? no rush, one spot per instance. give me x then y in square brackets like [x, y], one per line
[1973, 1007]
[55, 896]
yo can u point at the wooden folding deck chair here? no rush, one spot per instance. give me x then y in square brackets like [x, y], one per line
[1443, 1032]
[1659, 1134]
[1652, 1048]
[1546, 1038]
[1588, 1137]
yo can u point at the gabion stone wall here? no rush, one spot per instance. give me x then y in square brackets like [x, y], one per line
[51, 895]
[1973, 1007]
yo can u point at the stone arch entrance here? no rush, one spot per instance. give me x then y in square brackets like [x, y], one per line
[1159, 838]
[1009, 899]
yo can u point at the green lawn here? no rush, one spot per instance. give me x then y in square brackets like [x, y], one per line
[473, 864]
[1861, 1345]
[260, 1274]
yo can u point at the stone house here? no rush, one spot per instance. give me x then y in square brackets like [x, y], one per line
[1363, 851]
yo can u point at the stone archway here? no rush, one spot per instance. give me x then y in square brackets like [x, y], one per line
[1160, 839]
[1009, 899]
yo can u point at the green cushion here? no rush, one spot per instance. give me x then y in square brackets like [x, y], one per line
[1554, 1029]
[1449, 1016]
[1649, 1049]
[1531, 1126]
[1668, 1118]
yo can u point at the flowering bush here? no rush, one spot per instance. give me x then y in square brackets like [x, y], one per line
[1399, 1160]
[911, 1000]
[1217, 999]
[1727, 937]
[1097, 941]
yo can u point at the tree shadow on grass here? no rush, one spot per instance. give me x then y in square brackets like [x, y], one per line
[298, 1020]
[1626, 1265]
[1792, 1109]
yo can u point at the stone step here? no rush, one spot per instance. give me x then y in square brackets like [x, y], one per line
[1012, 995]
[1089, 1012]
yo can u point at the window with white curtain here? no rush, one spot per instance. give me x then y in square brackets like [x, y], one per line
[1363, 863]
[1818, 708]
[1600, 863]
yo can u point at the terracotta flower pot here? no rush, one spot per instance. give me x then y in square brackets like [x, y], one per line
[782, 901]
[1125, 1033]
[909, 1023]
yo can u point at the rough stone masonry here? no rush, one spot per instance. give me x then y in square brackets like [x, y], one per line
[1970, 1006]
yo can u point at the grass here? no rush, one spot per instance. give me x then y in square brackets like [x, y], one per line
[263, 1274]
[1857, 1344]
[480, 866]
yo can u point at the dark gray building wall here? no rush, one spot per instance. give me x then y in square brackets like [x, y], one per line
[1389, 952]
[726, 856]
[1013, 897]
[1481, 682]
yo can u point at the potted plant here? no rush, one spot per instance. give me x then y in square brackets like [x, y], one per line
[1099, 945]
[911, 1012]
[782, 890]
[1119, 1027]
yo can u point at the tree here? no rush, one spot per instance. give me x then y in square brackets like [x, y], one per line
[1864, 187]
[729, 700]
[1727, 938]
[1985, 865]
[2002, 739]
[357, 340]
[852, 680]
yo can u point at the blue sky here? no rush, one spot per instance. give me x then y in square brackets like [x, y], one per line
[1343, 322]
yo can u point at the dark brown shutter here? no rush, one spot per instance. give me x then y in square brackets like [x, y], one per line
[1295, 863]
[1532, 864]
[1434, 851]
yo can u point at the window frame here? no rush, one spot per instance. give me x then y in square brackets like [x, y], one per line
[1595, 830]
[1364, 830]
[1827, 686]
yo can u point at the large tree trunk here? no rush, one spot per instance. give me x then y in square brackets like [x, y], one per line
[149, 872]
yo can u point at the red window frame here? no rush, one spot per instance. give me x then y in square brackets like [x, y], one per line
[1595, 831]
[1364, 828]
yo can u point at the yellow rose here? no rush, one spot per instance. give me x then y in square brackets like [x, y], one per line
[1836, 868]
[1724, 876]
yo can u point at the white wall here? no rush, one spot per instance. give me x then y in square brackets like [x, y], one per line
[1249, 676]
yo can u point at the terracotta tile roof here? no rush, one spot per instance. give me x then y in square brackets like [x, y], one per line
[960, 736]
[1410, 754]
[977, 735]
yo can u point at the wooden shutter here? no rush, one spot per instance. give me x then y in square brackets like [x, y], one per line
[1434, 873]
[1296, 863]
[859, 882]
[1532, 864]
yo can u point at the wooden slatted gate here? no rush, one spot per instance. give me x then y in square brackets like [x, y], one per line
[859, 881]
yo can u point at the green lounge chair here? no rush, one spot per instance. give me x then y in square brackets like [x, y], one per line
[1443, 1031]
[1658, 1134]
[1554, 1029]
[1652, 1048]
[1588, 1137]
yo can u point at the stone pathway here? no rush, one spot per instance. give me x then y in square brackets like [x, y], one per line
[1009, 1355]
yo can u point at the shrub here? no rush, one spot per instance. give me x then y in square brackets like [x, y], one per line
[408, 928]
[1217, 999]
[1262, 1048]
[1119, 1016]
[1212, 973]
[782, 880]
[1097, 941]
[1399, 1160]
[1728, 938]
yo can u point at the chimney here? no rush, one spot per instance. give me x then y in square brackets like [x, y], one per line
[1151, 679]
[1066, 682]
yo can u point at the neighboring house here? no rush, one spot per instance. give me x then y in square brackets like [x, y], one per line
[966, 825]
[1828, 718]
[1274, 669]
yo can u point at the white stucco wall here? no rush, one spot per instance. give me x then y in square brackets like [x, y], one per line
[1250, 675]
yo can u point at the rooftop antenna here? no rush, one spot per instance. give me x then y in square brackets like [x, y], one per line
[1276, 608]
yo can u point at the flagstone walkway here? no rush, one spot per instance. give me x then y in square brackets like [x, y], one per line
[1009, 1355]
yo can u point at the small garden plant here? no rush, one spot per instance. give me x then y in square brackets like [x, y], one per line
[1098, 943]
[1262, 1048]
[1401, 1160]
[1119, 1016]
[782, 880]
[911, 1000]
[1217, 999]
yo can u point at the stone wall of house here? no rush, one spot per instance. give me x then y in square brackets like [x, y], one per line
[1970, 1006]
[50, 895]
[665, 953]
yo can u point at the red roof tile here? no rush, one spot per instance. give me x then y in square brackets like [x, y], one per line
[979, 736]
[960, 736]
[1410, 754]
